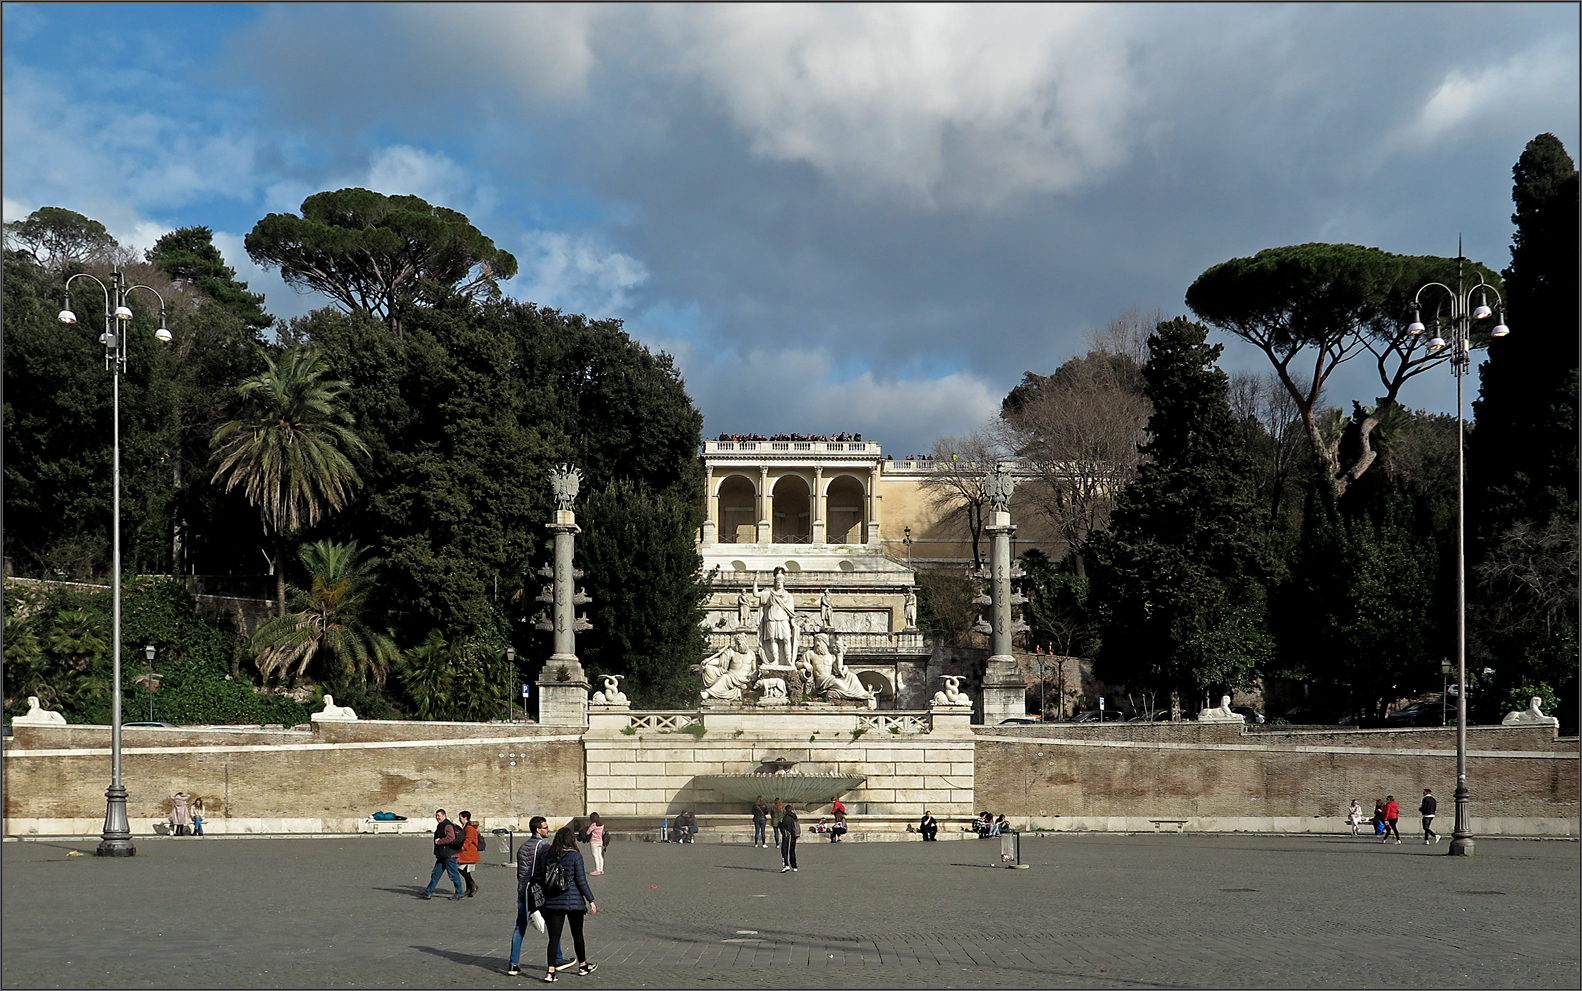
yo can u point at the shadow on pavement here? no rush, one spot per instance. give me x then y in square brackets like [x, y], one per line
[465, 959]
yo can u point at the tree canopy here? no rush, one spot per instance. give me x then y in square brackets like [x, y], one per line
[56, 237]
[379, 253]
[1312, 307]
[188, 256]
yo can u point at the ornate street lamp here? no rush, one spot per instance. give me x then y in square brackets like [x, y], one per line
[116, 840]
[1462, 317]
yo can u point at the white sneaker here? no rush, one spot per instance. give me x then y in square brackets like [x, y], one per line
[1436, 839]
[793, 868]
[1397, 842]
[785, 868]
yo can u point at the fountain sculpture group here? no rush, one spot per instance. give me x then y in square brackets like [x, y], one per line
[775, 668]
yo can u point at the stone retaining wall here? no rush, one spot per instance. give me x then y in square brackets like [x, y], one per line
[1060, 781]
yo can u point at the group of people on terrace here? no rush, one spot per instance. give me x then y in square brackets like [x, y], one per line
[841, 437]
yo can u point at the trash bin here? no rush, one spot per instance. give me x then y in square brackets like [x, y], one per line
[1011, 849]
[502, 839]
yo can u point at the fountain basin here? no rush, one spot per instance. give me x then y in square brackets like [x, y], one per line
[804, 787]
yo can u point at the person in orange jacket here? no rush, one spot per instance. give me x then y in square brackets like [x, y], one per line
[467, 859]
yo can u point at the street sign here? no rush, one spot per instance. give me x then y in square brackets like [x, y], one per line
[525, 689]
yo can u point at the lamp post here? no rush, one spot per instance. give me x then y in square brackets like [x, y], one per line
[148, 655]
[116, 841]
[1460, 319]
[510, 710]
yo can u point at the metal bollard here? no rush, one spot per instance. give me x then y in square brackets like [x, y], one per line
[505, 845]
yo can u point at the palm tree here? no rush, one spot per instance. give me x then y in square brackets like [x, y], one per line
[328, 625]
[290, 454]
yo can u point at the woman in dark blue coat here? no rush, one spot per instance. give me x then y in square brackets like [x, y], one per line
[571, 904]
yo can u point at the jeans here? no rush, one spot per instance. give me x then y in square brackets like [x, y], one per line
[556, 918]
[1428, 827]
[441, 866]
[521, 930]
[759, 828]
[777, 835]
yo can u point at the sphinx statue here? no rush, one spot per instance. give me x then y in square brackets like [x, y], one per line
[1222, 714]
[1533, 715]
[37, 715]
[333, 711]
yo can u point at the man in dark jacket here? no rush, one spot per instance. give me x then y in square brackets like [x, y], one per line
[929, 827]
[447, 844]
[790, 829]
[1427, 810]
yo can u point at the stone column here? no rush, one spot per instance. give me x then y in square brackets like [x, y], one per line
[711, 507]
[562, 685]
[818, 504]
[873, 506]
[1004, 694]
[765, 507]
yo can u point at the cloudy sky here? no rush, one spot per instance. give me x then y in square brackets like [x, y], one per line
[837, 218]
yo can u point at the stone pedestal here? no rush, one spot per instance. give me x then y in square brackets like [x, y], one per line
[951, 720]
[1004, 692]
[562, 703]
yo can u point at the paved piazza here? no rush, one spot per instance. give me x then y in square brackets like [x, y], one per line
[1093, 911]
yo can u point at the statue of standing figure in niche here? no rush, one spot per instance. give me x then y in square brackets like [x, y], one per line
[729, 670]
[827, 674]
[911, 608]
[777, 627]
[826, 610]
[744, 609]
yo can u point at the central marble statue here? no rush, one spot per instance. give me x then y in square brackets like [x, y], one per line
[777, 628]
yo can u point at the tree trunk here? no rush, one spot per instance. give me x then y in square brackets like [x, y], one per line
[280, 575]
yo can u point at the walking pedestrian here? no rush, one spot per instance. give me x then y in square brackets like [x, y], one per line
[776, 813]
[1378, 817]
[1392, 815]
[529, 891]
[467, 859]
[760, 823]
[1427, 810]
[447, 844]
[568, 906]
[1354, 816]
[790, 829]
[597, 840]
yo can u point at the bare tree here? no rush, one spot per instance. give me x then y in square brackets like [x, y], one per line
[1079, 429]
[956, 483]
[1276, 434]
[1127, 334]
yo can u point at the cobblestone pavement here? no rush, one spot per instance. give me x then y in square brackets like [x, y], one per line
[1093, 911]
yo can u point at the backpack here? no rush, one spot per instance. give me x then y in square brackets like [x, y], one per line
[555, 881]
[483, 846]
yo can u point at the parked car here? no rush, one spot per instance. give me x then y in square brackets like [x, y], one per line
[1306, 715]
[1248, 713]
[152, 725]
[1021, 721]
[1423, 714]
[1092, 716]
[1155, 716]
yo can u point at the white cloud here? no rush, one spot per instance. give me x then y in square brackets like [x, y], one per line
[576, 273]
[1469, 99]
[406, 171]
[949, 103]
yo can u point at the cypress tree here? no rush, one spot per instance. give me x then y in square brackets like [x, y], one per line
[1181, 573]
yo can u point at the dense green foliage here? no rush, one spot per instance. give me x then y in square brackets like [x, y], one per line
[56, 237]
[58, 648]
[1182, 569]
[328, 632]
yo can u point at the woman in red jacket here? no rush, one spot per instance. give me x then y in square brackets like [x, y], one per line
[467, 859]
[1392, 815]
